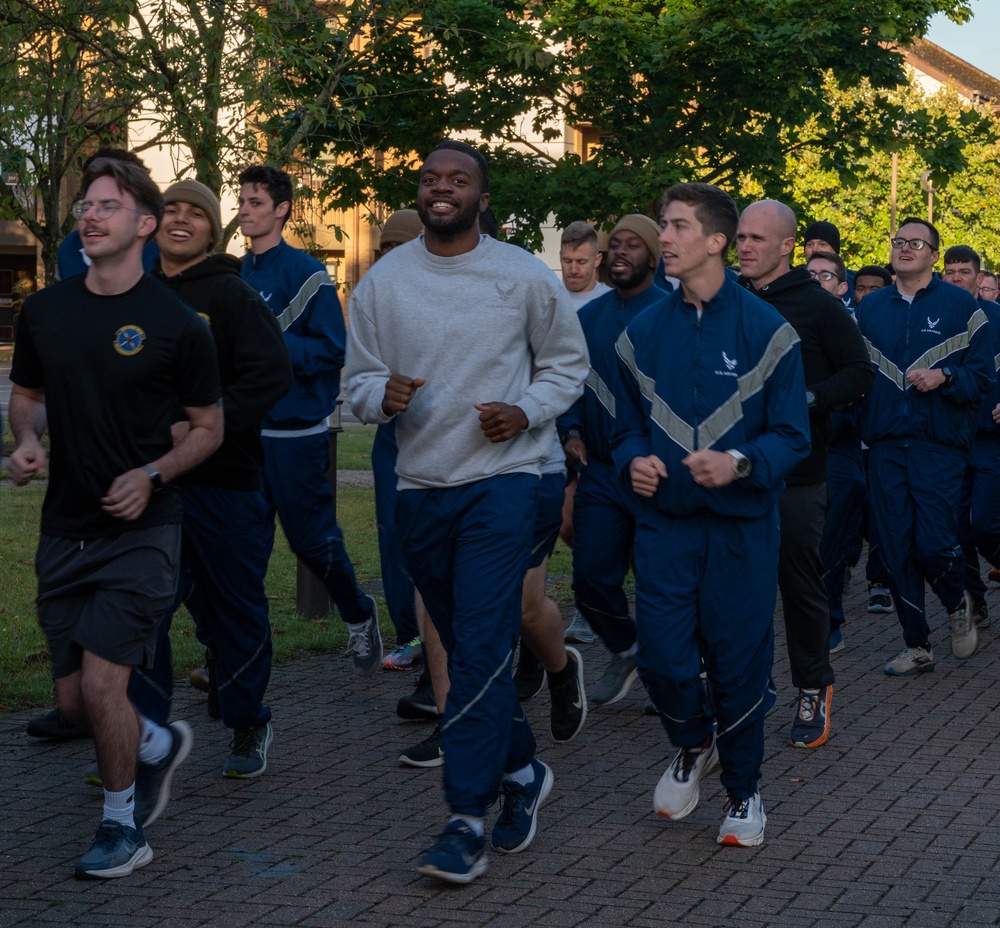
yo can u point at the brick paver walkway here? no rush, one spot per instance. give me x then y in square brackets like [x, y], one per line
[895, 822]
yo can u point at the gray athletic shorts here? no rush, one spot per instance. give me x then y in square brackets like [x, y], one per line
[106, 595]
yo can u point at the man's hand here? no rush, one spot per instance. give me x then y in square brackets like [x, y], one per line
[996, 414]
[128, 495]
[926, 379]
[501, 422]
[711, 468]
[399, 391]
[26, 462]
[646, 474]
[575, 450]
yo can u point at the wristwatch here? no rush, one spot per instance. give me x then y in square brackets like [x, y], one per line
[741, 465]
[155, 481]
[949, 375]
[810, 399]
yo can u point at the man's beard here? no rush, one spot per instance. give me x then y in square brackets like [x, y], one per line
[452, 226]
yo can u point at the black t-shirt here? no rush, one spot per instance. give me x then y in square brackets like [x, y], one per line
[114, 369]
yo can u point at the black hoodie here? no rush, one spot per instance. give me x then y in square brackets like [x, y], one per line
[835, 359]
[253, 365]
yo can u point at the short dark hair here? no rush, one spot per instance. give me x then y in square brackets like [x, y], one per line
[474, 153]
[122, 154]
[578, 233]
[875, 270]
[714, 208]
[834, 259]
[276, 182]
[132, 178]
[935, 235]
[963, 254]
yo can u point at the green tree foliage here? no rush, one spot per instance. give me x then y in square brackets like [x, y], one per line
[355, 94]
[955, 142]
[54, 105]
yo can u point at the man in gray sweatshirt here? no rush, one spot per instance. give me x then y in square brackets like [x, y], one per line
[474, 346]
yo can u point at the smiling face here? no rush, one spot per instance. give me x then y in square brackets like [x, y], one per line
[108, 239]
[910, 263]
[185, 235]
[450, 197]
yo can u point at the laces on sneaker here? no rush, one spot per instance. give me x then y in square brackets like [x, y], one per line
[244, 742]
[807, 706]
[737, 808]
[686, 759]
[357, 643]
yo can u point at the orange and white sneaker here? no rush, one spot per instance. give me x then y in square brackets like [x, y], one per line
[744, 823]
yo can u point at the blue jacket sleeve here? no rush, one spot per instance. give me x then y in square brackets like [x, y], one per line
[975, 374]
[316, 340]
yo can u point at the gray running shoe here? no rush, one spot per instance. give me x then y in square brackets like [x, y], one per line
[366, 646]
[911, 661]
[579, 631]
[964, 637]
[617, 680]
[117, 851]
[980, 613]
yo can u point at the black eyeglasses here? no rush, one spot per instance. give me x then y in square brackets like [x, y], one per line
[825, 276]
[917, 244]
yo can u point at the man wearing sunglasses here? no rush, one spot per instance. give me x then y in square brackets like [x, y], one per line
[930, 344]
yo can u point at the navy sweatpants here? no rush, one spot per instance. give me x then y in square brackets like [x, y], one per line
[224, 552]
[604, 517]
[979, 517]
[296, 487]
[706, 588]
[915, 495]
[467, 548]
[396, 581]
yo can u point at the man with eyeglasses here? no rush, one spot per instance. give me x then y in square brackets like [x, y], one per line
[837, 373]
[104, 361]
[979, 517]
[988, 289]
[930, 344]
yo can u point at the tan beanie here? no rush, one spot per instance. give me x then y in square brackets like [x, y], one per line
[190, 191]
[404, 225]
[645, 228]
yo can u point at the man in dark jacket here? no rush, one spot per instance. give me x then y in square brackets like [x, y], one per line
[225, 542]
[837, 373]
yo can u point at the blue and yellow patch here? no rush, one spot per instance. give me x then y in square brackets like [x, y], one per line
[129, 340]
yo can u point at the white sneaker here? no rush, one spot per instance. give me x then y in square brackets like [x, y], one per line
[744, 823]
[964, 637]
[911, 661]
[677, 793]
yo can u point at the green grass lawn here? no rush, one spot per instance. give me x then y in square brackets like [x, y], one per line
[24, 665]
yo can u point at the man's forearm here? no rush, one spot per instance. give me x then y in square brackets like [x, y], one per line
[201, 441]
[27, 415]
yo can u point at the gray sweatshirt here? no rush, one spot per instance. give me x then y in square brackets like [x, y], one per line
[491, 325]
